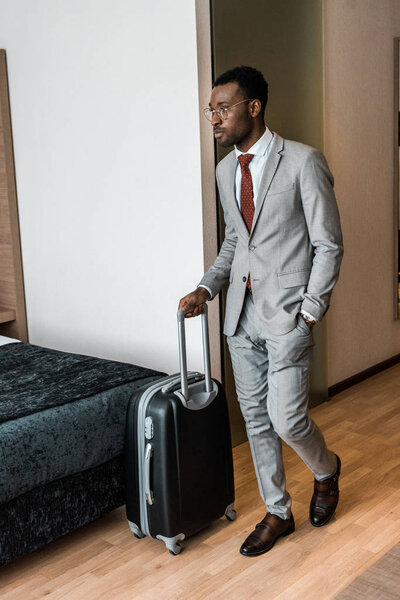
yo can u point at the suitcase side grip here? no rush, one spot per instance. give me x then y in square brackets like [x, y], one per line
[147, 462]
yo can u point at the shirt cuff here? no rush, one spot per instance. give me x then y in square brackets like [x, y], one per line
[304, 312]
[206, 288]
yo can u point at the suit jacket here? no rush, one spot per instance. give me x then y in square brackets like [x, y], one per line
[294, 249]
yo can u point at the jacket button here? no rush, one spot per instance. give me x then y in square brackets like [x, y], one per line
[244, 278]
[252, 248]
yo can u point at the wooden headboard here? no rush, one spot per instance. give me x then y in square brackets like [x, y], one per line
[12, 296]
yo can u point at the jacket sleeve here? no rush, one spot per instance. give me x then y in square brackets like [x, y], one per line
[219, 272]
[323, 223]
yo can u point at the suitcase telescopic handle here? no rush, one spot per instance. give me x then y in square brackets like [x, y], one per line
[182, 350]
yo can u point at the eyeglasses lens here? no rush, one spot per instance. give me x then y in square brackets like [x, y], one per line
[222, 113]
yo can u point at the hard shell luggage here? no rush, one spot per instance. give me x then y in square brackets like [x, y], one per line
[179, 467]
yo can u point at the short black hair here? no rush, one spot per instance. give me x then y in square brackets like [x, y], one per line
[250, 81]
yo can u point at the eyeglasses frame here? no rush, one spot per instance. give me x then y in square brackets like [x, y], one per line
[223, 108]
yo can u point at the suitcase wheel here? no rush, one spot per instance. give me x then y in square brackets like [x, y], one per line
[230, 513]
[137, 532]
[172, 543]
[177, 548]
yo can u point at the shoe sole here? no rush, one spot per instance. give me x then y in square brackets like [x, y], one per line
[284, 534]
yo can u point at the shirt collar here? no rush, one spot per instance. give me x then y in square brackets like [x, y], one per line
[261, 145]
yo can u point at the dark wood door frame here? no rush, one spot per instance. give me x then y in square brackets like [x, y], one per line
[210, 225]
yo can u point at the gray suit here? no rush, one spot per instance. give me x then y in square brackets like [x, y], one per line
[294, 250]
[293, 255]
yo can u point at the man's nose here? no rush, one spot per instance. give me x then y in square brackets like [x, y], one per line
[216, 119]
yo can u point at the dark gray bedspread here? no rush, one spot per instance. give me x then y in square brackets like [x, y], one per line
[62, 414]
[67, 439]
[34, 378]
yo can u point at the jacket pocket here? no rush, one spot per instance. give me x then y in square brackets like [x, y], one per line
[293, 278]
[280, 189]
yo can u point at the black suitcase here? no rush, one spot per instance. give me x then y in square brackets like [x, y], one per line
[179, 468]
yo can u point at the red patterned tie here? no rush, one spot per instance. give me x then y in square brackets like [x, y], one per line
[246, 195]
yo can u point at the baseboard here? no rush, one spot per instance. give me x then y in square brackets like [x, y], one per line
[346, 383]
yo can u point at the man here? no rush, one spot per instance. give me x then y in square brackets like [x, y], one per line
[281, 255]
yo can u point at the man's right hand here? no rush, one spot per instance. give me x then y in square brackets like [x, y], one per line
[195, 300]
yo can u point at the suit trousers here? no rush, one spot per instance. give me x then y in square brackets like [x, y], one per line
[272, 375]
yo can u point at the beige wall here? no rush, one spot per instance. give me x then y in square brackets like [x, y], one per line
[359, 146]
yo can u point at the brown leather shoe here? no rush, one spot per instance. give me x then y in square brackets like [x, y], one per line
[325, 498]
[266, 533]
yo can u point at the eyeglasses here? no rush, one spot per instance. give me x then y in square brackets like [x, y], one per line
[222, 111]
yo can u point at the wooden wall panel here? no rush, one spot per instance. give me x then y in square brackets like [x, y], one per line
[12, 297]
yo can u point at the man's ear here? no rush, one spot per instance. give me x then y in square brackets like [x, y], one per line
[254, 108]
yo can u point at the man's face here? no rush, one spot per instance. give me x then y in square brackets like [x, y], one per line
[239, 122]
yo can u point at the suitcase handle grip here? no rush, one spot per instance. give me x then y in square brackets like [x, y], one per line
[182, 350]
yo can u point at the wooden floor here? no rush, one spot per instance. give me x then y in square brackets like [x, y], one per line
[104, 561]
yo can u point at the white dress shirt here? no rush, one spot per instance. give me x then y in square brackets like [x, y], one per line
[261, 150]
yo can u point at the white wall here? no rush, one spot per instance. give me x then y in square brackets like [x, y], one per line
[105, 115]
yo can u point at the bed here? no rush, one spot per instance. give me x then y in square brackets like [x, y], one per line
[62, 423]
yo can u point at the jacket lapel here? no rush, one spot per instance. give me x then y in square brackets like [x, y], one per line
[227, 176]
[269, 171]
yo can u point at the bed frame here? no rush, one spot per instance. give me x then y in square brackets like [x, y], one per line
[50, 511]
